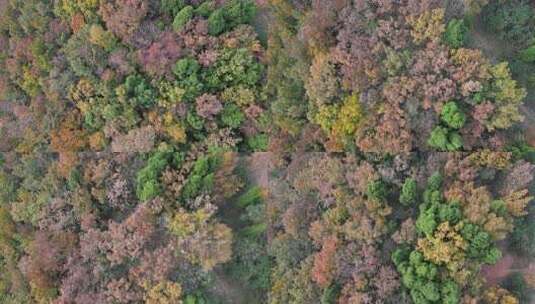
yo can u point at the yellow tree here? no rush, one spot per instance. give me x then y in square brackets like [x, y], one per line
[428, 26]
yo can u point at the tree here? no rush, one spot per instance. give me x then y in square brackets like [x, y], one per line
[427, 26]
[507, 97]
[202, 240]
[444, 140]
[455, 35]
[187, 73]
[408, 195]
[232, 116]
[239, 12]
[207, 106]
[137, 92]
[171, 7]
[451, 292]
[480, 244]
[205, 9]
[166, 292]
[147, 180]
[452, 115]
[123, 17]
[102, 38]
[156, 58]
[182, 18]
[378, 190]
[445, 247]
[216, 22]
[498, 295]
[324, 267]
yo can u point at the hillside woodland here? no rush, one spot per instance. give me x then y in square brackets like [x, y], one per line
[276, 151]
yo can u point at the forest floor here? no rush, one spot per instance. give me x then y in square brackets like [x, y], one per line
[509, 264]
[499, 51]
[488, 43]
[226, 288]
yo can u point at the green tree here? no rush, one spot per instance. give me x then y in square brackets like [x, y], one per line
[377, 190]
[187, 74]
[182, 18]
[409, 193]
[258, 142]
[232, 116]
[426, 221]
[451, 292]
[480, 245]
[147, 180]
[445, 140]
[434, 182]
[239, 12]
[137, 91]
[171, 7]
[438, 138]
[216, 22]
[452, 115]
[205, 9]
[450, 212]
[455, 35]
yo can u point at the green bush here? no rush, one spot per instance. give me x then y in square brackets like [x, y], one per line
[255, 230]
[251, 197]
[528, 55]
[258, 142]
[330, 294]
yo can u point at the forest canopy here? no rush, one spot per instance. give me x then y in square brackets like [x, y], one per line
[268, 151]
